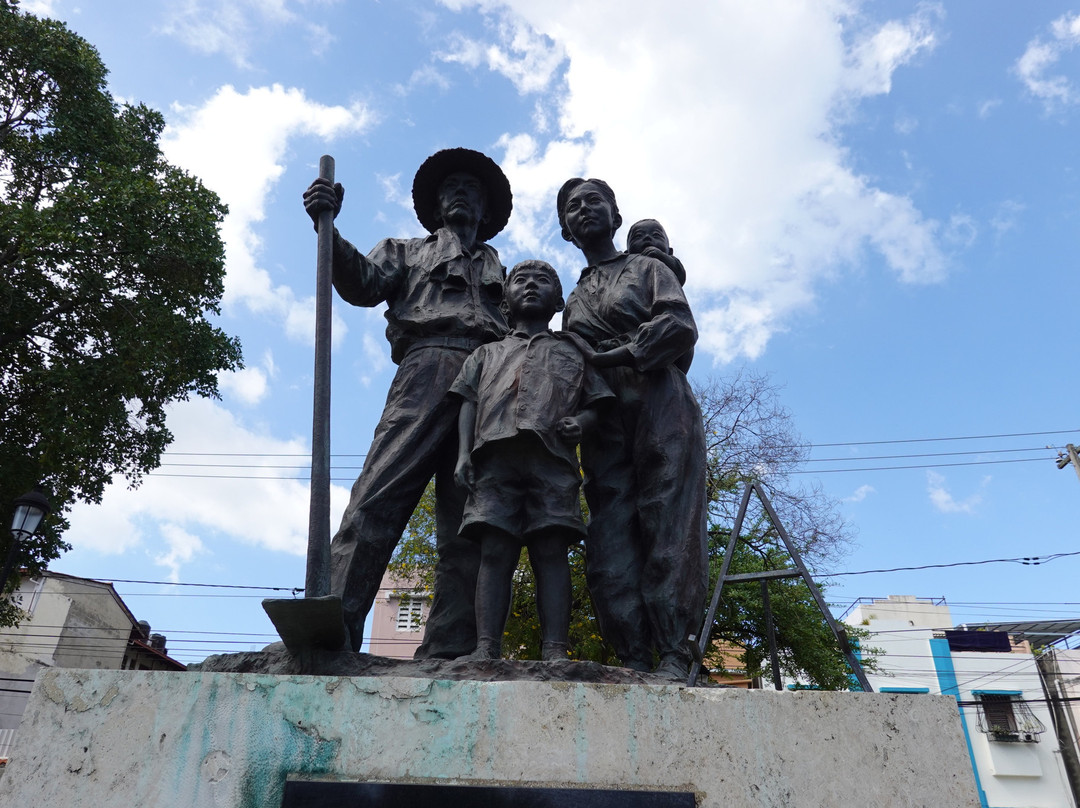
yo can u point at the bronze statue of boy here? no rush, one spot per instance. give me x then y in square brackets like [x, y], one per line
[525, 403]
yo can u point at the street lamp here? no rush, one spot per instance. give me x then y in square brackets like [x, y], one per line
[30, 509]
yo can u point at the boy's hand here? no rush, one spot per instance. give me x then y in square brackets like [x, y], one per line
[569, 430]
[463, 472]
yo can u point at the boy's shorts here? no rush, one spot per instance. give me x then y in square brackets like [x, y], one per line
[522, 489]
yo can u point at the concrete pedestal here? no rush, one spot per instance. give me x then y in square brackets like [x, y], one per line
[230, 740]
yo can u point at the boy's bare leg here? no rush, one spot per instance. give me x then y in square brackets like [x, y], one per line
[499, 554]
[548, 555]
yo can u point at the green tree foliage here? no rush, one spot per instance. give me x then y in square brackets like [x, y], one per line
[414, 561]
[109, 262]
[749, 436]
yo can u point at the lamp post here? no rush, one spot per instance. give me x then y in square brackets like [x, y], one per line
[30, 509]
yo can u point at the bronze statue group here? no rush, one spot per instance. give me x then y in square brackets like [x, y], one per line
[493, 404]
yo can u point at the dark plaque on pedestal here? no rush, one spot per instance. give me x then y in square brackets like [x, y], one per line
[321, 794]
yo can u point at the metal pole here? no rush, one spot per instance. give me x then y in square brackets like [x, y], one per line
[317, 582]
[9, 563]
[706, 628]
[839, 633]
[770, 633]
[1072, 458]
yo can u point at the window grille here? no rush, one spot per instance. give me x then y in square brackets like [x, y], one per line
[410, 613]
[1008, 718]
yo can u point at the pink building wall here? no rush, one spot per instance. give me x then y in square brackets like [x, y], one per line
[396, 632]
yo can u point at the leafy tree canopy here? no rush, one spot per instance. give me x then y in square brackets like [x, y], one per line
[749, 436]
[109, 263]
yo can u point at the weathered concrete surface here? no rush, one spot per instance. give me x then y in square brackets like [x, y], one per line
[157, 740]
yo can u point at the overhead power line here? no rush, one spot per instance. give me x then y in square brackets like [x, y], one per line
[171, 453]
[350, 479]
[1023, 560]
[301, 467]
[920, 466]
[854, 458]
[936, 440]
[1030, 561]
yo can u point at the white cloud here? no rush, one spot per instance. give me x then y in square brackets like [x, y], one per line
[1006, 217]
[861, 493]
[905, 124]
[944, 501]
[183, 547]
[527, 58]
[874, 57]
[1055, 91]
[375, 357]
[426, 76]
[269, 364]
[988, 106]
[961, 231]
[394, 192]
[39, 8]
[248, 385]
[247, 498]
[230, 27]
[722, 121]
[300, 322]
[236, 143]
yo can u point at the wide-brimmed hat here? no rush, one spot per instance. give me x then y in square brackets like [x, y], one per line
[500, 201]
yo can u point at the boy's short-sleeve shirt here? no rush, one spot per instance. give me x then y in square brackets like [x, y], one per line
[521, 383]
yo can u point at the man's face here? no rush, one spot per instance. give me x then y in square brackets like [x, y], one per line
[461, 198]
[589, 215]
[647, 233]
[530, 294]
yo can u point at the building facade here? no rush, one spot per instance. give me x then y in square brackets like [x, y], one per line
[71, 623]
[398, 618]
[1004, 712]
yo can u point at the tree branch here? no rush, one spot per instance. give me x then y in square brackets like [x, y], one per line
[23, 331]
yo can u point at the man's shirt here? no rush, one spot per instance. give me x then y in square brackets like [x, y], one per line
[432, 286]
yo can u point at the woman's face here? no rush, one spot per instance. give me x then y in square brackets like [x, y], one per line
[590, 217]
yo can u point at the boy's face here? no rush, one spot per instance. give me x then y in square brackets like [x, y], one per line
[647, 233]
[530, 294]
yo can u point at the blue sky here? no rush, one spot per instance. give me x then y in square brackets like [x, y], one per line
[877, 204]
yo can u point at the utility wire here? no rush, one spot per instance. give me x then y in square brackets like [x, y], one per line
[212, 586]
[849, 458]
[853, 458]
[921, 466]
[1024, 560]
[933, 440]
[170, 453]
[350, 479]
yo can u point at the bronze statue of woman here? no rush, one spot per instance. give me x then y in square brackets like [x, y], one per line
[645, 462]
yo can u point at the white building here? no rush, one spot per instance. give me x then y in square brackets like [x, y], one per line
[1004, 710]
[72, 623]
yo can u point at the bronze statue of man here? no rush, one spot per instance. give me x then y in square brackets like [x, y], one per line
[443, 294]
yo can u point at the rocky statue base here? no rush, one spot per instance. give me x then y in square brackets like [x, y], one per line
[260, 740]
